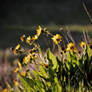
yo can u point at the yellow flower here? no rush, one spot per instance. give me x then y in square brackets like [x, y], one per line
[46, 65]
[16, 70]
[82, 44]
[20, 66]
[15, 83]
[27, 59]
[56, 38]
[33, 55]
[16, 49]
[35, 37]
[23, 74]
[39, 30]
[28, 39]
[70, 46]
[5, 90]
[22, 38]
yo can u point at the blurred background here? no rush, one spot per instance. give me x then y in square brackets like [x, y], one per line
[18, 17]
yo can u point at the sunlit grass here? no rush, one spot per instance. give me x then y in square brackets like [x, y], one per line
[51, 27]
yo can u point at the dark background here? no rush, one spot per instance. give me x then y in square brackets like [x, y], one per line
[31, 12]
[17, 15]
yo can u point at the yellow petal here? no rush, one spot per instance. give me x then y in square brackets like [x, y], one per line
[15, 52]
[82, 44]
[56, 39]
[39, 30]
[23, 74]
[70, 46]
[16, 48]
[27, 59]
[15, 83]
[28, 39]
[5, 90]
[20, 66]
[35, 37]
[16, 70]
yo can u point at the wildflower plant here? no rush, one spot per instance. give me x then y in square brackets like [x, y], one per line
[71, 71]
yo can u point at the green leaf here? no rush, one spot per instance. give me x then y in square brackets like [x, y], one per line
[68, 66]
[43, 72]
[88, 50]
[57, 86]
[52, 61]
[39, 84]
[27, 84]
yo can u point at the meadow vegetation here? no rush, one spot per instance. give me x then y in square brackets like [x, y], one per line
[61, 68]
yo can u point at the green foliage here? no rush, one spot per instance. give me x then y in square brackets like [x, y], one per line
[52, 61]
[28, 84]
[71, 72]
[59, 77]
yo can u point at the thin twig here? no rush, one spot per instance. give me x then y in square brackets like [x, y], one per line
[86, 10]
[84, 35]
[87, 35]
[69, 35]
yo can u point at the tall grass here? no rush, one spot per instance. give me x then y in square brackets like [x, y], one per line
[64, 69]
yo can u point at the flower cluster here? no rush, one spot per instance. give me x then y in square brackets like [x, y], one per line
[43, 71]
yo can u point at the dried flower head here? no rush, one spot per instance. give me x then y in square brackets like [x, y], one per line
[22, 38]
[46, 65]
[79, 51]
